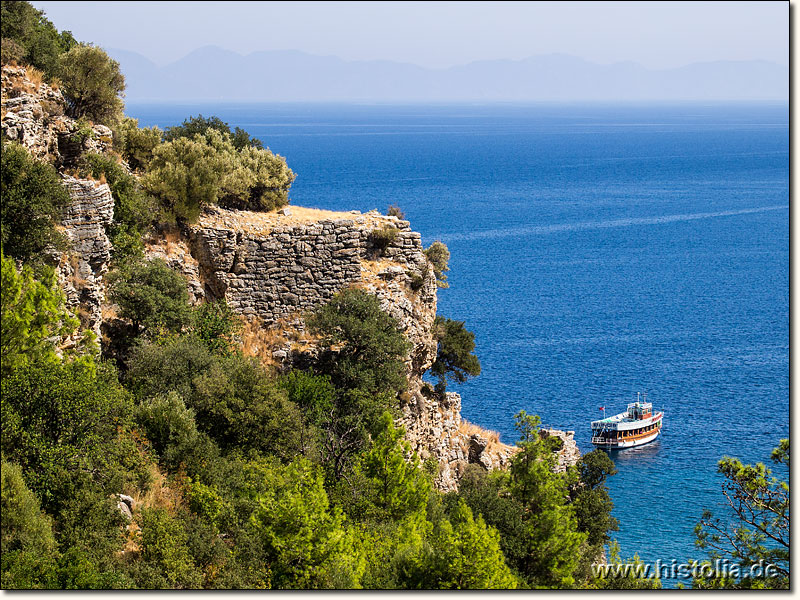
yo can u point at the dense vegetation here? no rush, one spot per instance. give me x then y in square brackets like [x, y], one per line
[32, 200]
[247, 478]
[29, 37]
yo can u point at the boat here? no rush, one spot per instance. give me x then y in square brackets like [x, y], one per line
[636, 426]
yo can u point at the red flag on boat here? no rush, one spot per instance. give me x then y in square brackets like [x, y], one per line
[602, 408]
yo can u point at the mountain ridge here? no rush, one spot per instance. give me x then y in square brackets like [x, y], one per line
[211, 73]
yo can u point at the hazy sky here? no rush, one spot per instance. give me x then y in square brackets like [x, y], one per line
[440, 34]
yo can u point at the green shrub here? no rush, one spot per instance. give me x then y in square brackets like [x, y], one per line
[234, 399]
[33, 198]
[591, 499]
[66, 425]
[216, 325]
[307, 541]
[370, 347]
[167, 422]
[267, 181]
[33, 316]
[92, 84]
[133, 208]
[438, 256]
[200, 125]
[416, 281]
[151, 295]
[126, 242]
[240, 406]
[382, 238]
[396, 211]
[314, 394]
[83, 132]
[186, 175]
[363, 355]
[464, 553]
[136, 144]
[24, 526]
[397, 486]
[165, 547]
[189, 174]
[454, 358]
[483, 492]
[10, 51]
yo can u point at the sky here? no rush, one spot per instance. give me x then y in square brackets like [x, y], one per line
[440, 34]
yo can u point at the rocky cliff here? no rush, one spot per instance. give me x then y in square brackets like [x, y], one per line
[33, 116]
[272, 268]
[81, 269]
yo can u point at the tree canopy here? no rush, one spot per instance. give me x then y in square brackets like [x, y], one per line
[92, 83]
[40, 42]
[189, 173]
[33, 316]
[759, 533]
[33, 199]
[454, 357]
[151, 295]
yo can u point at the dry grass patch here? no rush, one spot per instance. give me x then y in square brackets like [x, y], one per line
[171, 238]
[262, 223]
[260, 340]
[160, 493]
[35, 76]
[470, 429]
[494, 445]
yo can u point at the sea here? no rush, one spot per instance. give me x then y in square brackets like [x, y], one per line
[597, 252]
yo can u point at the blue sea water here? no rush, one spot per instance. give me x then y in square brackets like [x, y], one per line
[596, 251]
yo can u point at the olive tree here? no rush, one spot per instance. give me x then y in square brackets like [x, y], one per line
[92, 83]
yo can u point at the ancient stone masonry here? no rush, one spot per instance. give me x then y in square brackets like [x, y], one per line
[292, 266]
[82, 267]
[296, 266]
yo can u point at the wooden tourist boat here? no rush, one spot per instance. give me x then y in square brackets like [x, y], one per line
[634, 427]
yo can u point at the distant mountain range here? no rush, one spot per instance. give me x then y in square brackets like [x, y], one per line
[214, 74]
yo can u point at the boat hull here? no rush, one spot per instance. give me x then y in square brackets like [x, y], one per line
[620, 444]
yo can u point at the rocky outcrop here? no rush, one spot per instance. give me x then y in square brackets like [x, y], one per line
[33, 115]
[275, 268]
[434, 428]
[569, 454]
[81, 268]
[125, 506]
[175, 250]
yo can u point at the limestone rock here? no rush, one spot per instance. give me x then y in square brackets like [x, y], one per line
[176, 252]
[81, 269]
[569, 453]
[33, 116]
[125, 506]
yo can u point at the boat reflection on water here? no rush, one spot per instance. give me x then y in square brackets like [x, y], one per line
[637, 454]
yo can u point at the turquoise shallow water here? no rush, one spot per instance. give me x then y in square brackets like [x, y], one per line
[596, 252]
